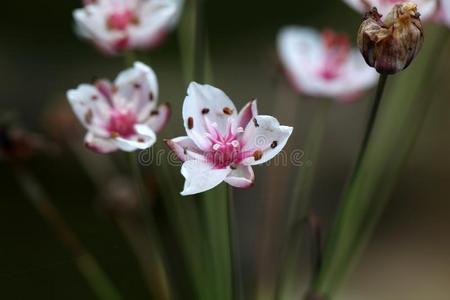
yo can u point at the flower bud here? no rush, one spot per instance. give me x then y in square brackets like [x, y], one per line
[391, 44]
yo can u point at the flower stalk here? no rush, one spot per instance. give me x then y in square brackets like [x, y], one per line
[403, 113]
[289, 274]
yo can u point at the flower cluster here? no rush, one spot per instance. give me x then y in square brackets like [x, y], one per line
[115, 26]
[121, 115]
[222, 144]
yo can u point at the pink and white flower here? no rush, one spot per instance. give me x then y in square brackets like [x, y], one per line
[223, 144]
[323, 64]
[426, 8]
[115, 26]
[121, 115]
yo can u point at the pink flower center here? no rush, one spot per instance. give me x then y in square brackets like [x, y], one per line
[337, 50]
[226, 150]
[121, 19]
[121, 123]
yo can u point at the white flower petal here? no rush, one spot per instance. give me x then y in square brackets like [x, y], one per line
[91, 108]
[201, 176]
[99, 144]
[143, 139]
[158, 118]
[156, 18]
[205, 101]
[241, 177]
[302, 54]
[265, 138]
[247, 113]
[184, 148]
[91, 25]
[137, 90]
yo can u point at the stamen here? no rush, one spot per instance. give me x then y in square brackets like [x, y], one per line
[151, 97]
[255, 122]
[257, 155]
[227, 110]
[88, 116]
[190, 123]
[154, 112]
[235, 143]
[205, 111]
[274, 144]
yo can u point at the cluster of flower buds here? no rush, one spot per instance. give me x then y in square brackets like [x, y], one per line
[390, 44]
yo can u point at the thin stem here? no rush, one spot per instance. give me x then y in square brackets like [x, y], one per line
[161, 291]
[372, 116]
[235, 257]
[300, 203]
[86, 263]
[200, 42]
[130, 58]
[348, 220]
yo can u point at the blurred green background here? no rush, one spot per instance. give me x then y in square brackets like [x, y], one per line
[41, 57]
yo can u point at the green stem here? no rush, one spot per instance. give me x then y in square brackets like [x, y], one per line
[200, 42]
[235, 257]
[372, 117]
[184, 219]
[375, 175]
[287, 282]
[161, 291]
[86, 263]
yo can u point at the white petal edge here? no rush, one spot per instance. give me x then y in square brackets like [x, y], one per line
[241, 177]
[99, 144]
[201, 176]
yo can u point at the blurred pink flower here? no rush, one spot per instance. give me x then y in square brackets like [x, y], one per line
[123, 115]
[444, 12]
[222, 144]
[323, 65]
[115, 26]
[427, 8]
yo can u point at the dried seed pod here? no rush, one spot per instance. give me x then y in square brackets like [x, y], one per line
[391, 44]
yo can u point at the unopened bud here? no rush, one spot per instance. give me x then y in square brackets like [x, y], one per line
[391, 44]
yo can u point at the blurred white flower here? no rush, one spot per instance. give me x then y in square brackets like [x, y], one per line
[323, 64]
[444, 12]
[123, 115]
[222, 144]
[115, 26]
[427, 8]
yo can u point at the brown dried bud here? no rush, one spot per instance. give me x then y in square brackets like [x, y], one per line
[391, 44]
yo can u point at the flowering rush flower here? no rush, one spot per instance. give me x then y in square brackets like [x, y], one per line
[123, 115]
[323, 64]
[222, 144]
[427, 8]
[115, 26]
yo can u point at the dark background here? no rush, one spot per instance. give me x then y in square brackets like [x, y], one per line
[41, 58]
